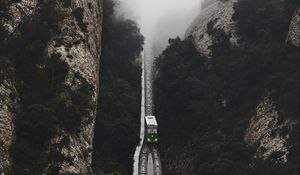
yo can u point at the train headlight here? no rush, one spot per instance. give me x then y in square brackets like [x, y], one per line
[156, 139]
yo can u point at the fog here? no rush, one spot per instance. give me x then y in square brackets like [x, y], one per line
[160, 20]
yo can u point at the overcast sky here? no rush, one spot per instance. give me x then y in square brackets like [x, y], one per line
[161, 19]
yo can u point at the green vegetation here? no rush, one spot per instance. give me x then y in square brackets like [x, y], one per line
[79, 15]
[266, 19]
[117, 125]
[39, 80]
[67, 3]
[7, 69]
[6, 66]
[204, 104]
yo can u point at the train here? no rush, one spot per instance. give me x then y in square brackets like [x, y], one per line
[151, 135]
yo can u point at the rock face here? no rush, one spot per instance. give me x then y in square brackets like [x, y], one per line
[79, 46]
[8, 93]
[266, 131]
[294, 32]
[17, 12]
[8, 105]
[216, 15]
[269, 133]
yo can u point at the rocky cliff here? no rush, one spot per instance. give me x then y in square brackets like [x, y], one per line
[8, 107]
[269, 132]
[78, 46]
[264, 128]
[214, 16]
[294, 31]
[14, 15]
[228, 104]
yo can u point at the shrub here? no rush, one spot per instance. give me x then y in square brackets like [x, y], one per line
[79, 15]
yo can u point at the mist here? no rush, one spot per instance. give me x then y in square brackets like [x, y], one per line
[160, 20]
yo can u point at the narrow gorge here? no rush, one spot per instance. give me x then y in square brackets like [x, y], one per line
[225, 92]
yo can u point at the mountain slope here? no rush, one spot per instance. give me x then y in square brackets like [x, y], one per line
[231, 107]
[54, 48]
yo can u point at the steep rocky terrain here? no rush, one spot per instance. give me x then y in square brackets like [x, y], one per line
[49, 88]
[79, 46]
[268, 132]
[12, 13]
[215, 16]
[293, 35]
[51, 50]
[8, 103]
[266, 128]
[232, 108]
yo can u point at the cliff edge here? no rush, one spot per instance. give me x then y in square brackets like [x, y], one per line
[53, 50]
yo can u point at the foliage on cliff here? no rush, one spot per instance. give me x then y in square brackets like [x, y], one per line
[39, 83]
[117, 125]
[40, 78]
[204, 105]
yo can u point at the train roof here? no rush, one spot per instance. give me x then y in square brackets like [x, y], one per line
[151, 120]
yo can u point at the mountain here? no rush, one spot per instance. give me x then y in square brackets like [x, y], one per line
[50, 53]
[227, 95]
[215, 16]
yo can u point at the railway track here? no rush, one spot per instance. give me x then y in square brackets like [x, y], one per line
[148, 155]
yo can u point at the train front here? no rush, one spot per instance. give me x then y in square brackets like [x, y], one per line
[151, 136]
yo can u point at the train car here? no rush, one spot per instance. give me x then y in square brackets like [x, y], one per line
[151, 130]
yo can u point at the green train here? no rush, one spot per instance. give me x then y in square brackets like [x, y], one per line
[151, 136]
